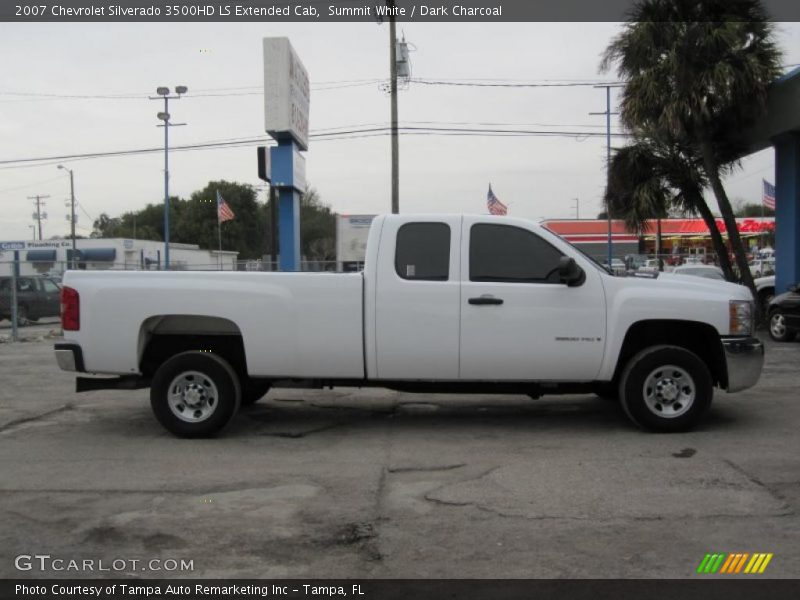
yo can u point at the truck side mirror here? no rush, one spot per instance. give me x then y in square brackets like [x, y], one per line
[569, 272]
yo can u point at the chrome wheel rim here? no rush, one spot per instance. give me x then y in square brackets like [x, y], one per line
[192, 397]
[669, 391]
[777, 325]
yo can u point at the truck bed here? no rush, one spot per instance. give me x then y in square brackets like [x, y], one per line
[292, 324]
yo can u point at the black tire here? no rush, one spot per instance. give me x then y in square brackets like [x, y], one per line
[765, 296]
[680, 393]
[253, 390]
[214, 388]
[22, 316]
[778, 330]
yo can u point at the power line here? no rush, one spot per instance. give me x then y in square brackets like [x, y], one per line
[501, 84]
[346, 134]
[28, 185]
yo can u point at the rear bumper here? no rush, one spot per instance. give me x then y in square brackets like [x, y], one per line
[744, 358]
[70, 357]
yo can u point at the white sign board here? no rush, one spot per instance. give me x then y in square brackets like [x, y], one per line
[299, 171]
[351, 237]
[286, 92]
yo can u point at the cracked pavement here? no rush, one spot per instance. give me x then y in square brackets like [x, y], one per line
[371, 483]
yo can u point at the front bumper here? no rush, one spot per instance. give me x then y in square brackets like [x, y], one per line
[744, 358]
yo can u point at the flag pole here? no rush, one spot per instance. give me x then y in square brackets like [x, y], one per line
[219, 234]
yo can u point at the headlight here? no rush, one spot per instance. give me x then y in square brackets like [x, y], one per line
[741, 317]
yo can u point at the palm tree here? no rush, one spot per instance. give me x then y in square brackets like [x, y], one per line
[648, 177]
[698, 72]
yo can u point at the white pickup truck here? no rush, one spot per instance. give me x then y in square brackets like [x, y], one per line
[446, 303]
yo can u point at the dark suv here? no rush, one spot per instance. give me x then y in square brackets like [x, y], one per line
[36, 297]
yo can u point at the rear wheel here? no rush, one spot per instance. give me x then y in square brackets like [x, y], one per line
[778, 330]
[195, 394]
[666, 389]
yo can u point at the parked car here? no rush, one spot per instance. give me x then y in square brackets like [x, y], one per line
[37, 297]
[784, 315]
[762, 267]
[633, 262]
[617, 265]
[700, 270]
[651, 265]
[446, 303]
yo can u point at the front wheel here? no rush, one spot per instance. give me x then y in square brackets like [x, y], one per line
[666, 389]
[195, 394]
[778, 330]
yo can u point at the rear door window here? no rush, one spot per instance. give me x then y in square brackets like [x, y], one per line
[423, 251]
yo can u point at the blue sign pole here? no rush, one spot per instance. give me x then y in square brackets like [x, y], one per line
[285, 179]
[787, 211]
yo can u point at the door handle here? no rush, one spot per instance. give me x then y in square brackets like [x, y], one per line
[484, 300]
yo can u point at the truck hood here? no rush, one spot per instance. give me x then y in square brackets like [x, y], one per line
[669, 282]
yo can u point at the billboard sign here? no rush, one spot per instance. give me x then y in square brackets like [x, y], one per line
[286, 92]
[351, 237]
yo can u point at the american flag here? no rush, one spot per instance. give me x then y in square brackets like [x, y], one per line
[768, 194]
[224, 212]
[495, 206]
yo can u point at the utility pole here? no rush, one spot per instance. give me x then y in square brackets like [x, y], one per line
[393, 93]
[38, 215]
[71, 212]
[608, 114]
[577, 208]
[163, 92]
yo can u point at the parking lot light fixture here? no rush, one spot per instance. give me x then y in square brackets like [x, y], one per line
[164, 116]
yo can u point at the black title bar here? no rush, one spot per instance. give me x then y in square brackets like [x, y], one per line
[707, 588]
[320, 11]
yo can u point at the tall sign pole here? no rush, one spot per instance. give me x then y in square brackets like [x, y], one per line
[286, 109]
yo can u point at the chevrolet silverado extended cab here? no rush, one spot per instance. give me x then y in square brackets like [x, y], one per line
[455, 304]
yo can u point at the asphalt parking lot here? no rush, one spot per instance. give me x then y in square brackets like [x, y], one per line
[369, 483]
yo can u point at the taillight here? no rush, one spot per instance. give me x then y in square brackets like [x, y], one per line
[70, 309]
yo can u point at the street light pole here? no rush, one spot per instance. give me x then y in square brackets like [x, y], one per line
[71, 211]
[163, 92]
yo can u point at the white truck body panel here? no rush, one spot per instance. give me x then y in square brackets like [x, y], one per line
[669, 297]
[292, 324]
[416, 322]
[541, 332]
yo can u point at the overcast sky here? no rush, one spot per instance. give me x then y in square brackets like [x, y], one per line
[537, 177]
